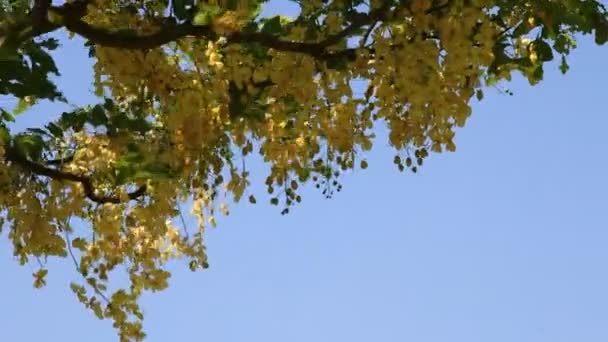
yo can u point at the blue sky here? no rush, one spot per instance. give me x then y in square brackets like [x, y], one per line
[505, 240]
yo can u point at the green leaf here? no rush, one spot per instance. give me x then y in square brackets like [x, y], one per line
[98, 116]
[563, 66]
[312, 31]
[202, 19]
[7, 54]
[231, 4]
[55, 17]
[181, 8]
[108, 105]
[28, 75]
[536, 75]
[5, 135]
[544, 50]
[564, 43]
[337, 64]
[74, 120]
[258, 51]
[154, 171]
[30, 145]
[139, 125]
[255, 8]
[275, 25]
[55, 130]
[521, 29]
[38, 131]
[601, 33]
[7, 116]
[122, 175]
[50, 43]
[133, 157]
[205, 14]
[22, 106]
[272, 25]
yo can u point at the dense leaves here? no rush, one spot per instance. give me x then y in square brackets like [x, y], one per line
[189, 89]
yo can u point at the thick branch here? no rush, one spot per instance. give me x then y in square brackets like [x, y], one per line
[40, 12]
[72, 13]
[59, 161]
[169, 33]
[12, 155]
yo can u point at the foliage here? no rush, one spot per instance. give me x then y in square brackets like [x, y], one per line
[188, 89]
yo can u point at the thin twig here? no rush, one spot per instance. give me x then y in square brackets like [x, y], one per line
[77, 265]
[181, 216]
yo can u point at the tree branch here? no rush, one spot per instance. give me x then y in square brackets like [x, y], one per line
[59, 161]
[40, 12]
[14, 156]
[72, 13]
[169, 33]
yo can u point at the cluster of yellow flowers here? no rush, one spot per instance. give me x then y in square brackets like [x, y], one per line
[213, 99]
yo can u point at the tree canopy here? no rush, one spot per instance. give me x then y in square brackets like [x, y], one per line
[190, 90]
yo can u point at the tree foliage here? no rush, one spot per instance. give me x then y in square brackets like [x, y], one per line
[188, 89]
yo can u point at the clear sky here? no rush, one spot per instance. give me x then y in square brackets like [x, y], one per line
[505, 240]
